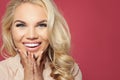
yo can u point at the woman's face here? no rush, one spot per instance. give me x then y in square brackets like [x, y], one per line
[29, 28]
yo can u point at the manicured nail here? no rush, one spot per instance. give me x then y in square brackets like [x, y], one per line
[41, 52]
[34, 57]
[17, 50]
[26, 53]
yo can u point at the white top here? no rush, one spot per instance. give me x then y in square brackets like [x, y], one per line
[11, 69]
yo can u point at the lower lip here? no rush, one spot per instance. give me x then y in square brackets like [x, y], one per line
[32, 49]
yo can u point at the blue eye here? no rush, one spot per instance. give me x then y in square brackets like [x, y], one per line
[20, 25]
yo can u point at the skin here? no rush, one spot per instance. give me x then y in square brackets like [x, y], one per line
[30, 37]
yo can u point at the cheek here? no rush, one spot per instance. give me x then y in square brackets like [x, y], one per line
[16, 34]
[44, 34]
[46, 41]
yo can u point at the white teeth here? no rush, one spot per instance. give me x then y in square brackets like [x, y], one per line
[31, 45]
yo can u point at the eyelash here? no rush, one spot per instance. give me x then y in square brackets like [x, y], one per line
[20, 25]
[42, 25]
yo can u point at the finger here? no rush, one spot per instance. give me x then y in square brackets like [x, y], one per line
[35, 58]
[34, 68]
[22, 55]
[36, 55]
[41, 65]
[30, 58]
[37, 73]
[39, 58]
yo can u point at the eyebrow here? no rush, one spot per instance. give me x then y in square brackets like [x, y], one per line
[41, 21]
[19, 21]
[24, 22]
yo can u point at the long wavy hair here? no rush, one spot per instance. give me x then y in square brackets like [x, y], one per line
[59, 37]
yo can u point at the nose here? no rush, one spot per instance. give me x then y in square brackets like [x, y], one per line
[32, 34]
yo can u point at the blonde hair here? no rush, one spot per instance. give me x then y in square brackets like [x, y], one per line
[59, 38]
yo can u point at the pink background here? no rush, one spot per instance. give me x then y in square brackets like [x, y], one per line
[95, 30]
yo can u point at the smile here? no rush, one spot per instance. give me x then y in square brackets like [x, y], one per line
[32, 45]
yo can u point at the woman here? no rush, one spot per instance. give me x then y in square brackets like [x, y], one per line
[37, 39]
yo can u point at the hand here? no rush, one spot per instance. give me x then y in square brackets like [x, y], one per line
[33, 67]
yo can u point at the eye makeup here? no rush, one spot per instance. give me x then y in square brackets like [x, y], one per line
[20, 25]
[42, 23]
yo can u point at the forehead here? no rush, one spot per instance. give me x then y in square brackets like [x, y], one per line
[29, 10]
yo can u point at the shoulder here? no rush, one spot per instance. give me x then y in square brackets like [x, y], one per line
[11, 62]
[5, 64]
[4, 69]
[77, 72]
[8, 67]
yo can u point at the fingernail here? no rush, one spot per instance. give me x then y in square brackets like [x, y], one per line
[17, 50]
[34, 57]
[41, 52]
[26, 53]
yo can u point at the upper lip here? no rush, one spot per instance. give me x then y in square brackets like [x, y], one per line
[31, 42]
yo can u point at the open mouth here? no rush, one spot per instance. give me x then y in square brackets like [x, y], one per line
[32, 45]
